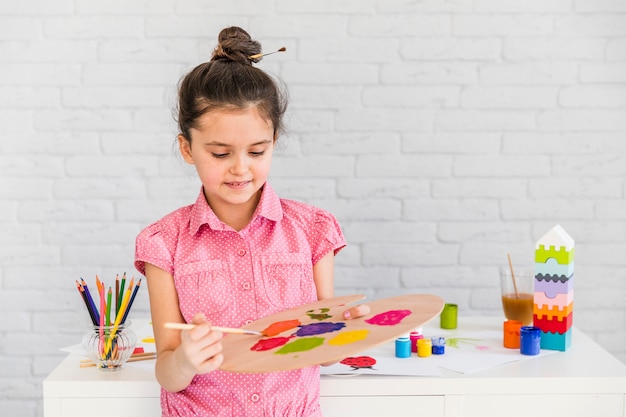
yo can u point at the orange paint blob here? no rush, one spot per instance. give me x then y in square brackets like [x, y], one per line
[279, 327]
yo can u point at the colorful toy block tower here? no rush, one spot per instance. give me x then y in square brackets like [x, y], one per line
[554, 289]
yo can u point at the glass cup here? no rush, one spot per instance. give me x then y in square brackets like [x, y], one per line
[517, 298]
[110, 347]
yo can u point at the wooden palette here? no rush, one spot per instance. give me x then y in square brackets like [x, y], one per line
[316, 333]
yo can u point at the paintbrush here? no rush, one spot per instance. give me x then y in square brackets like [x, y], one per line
[256, 56]
[186, 326]
[87, 363]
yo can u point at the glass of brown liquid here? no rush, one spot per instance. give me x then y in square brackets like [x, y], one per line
[517, 295]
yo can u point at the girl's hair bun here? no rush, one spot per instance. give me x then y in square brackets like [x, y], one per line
[235, 44]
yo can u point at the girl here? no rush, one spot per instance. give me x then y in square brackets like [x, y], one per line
[239, 252]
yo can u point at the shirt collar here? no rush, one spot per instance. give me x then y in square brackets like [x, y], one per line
[201, 213]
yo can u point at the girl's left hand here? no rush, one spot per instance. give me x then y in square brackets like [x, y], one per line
[353, 313]
[356, 312]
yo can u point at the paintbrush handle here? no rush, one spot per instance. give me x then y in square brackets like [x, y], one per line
[187, 326]
[179, 326]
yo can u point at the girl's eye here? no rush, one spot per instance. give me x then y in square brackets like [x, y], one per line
[220, 155]
[257, 153]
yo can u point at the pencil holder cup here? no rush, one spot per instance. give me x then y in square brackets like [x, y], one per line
[109, 347]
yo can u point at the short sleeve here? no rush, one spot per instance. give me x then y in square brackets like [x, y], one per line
[153, 246]
[326, 235]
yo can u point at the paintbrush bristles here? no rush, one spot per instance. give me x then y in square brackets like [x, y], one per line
[257, 56]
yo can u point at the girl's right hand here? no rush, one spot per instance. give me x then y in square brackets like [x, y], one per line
[201, 347]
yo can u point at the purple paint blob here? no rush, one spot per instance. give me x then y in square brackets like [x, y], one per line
[319, 328]
[389, 318]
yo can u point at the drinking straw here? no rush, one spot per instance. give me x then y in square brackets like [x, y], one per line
[90, 300]
[81, 290]
[513, 275]
[132, 299]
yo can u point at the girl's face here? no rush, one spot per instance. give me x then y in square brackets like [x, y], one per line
[232, 152]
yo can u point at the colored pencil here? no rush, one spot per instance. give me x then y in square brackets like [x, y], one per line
[81, 290]
[90, 303]
[121, 296]
[187, 326]
[116, 325]
[117, 292]
[90, 299]
[133, 356]
[109, 295]
[102, 311]
[104, 317]
[127, 293]
[87, 363]
[132, 299]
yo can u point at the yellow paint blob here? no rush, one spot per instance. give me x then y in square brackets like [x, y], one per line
[148, 340]
[348, 337]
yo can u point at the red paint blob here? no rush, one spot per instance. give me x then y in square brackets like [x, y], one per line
[359, 362]
[268, 344]
[389, 318]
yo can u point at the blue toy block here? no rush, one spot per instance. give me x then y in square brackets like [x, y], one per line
[556, 341]
[552, 267]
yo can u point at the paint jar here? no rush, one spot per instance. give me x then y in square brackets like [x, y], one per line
[403, 347]
[511, 336]
[414, 337]
[447, 319]
[530, 340]
[424, 348]
[439, 345]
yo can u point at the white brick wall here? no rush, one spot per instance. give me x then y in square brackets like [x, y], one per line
[442, 134]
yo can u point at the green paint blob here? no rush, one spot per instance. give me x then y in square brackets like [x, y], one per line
[300, 345]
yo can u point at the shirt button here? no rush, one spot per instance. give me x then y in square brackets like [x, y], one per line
[255, 398]
[245, 286]
[241, 252]
[249, 321]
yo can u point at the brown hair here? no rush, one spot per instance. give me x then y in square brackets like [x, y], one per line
[229, 80]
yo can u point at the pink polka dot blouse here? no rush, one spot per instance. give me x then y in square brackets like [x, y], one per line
[235, 278]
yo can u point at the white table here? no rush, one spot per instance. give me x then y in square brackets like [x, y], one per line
[585, 380]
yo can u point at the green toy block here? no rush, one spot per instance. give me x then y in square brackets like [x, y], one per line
[556, 244]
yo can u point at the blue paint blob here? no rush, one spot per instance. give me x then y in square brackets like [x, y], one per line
[319, 328]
